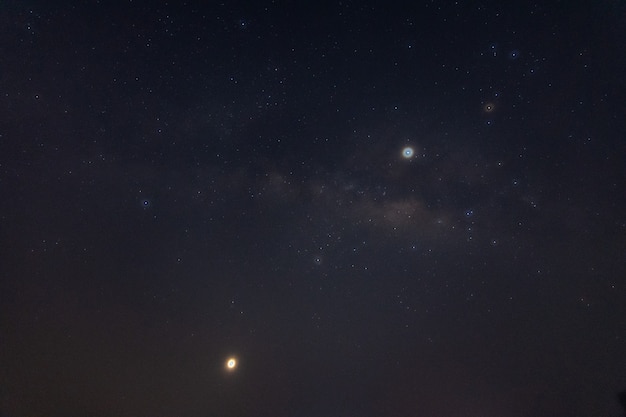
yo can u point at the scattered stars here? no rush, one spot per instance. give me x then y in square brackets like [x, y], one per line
[347, 188]
[493, 49]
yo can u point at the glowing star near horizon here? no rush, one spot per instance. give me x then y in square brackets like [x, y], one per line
[408, 152]
[231, 364]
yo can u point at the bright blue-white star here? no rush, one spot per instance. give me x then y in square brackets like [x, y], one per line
[408, 152]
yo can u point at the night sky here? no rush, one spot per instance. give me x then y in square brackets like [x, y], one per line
[376, 209]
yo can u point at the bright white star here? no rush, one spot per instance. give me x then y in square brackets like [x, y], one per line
[408, 152]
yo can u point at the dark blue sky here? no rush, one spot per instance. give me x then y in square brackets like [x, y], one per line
[181, 183]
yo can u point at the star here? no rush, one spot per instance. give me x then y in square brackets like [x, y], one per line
[408, 152]
[231, 364]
